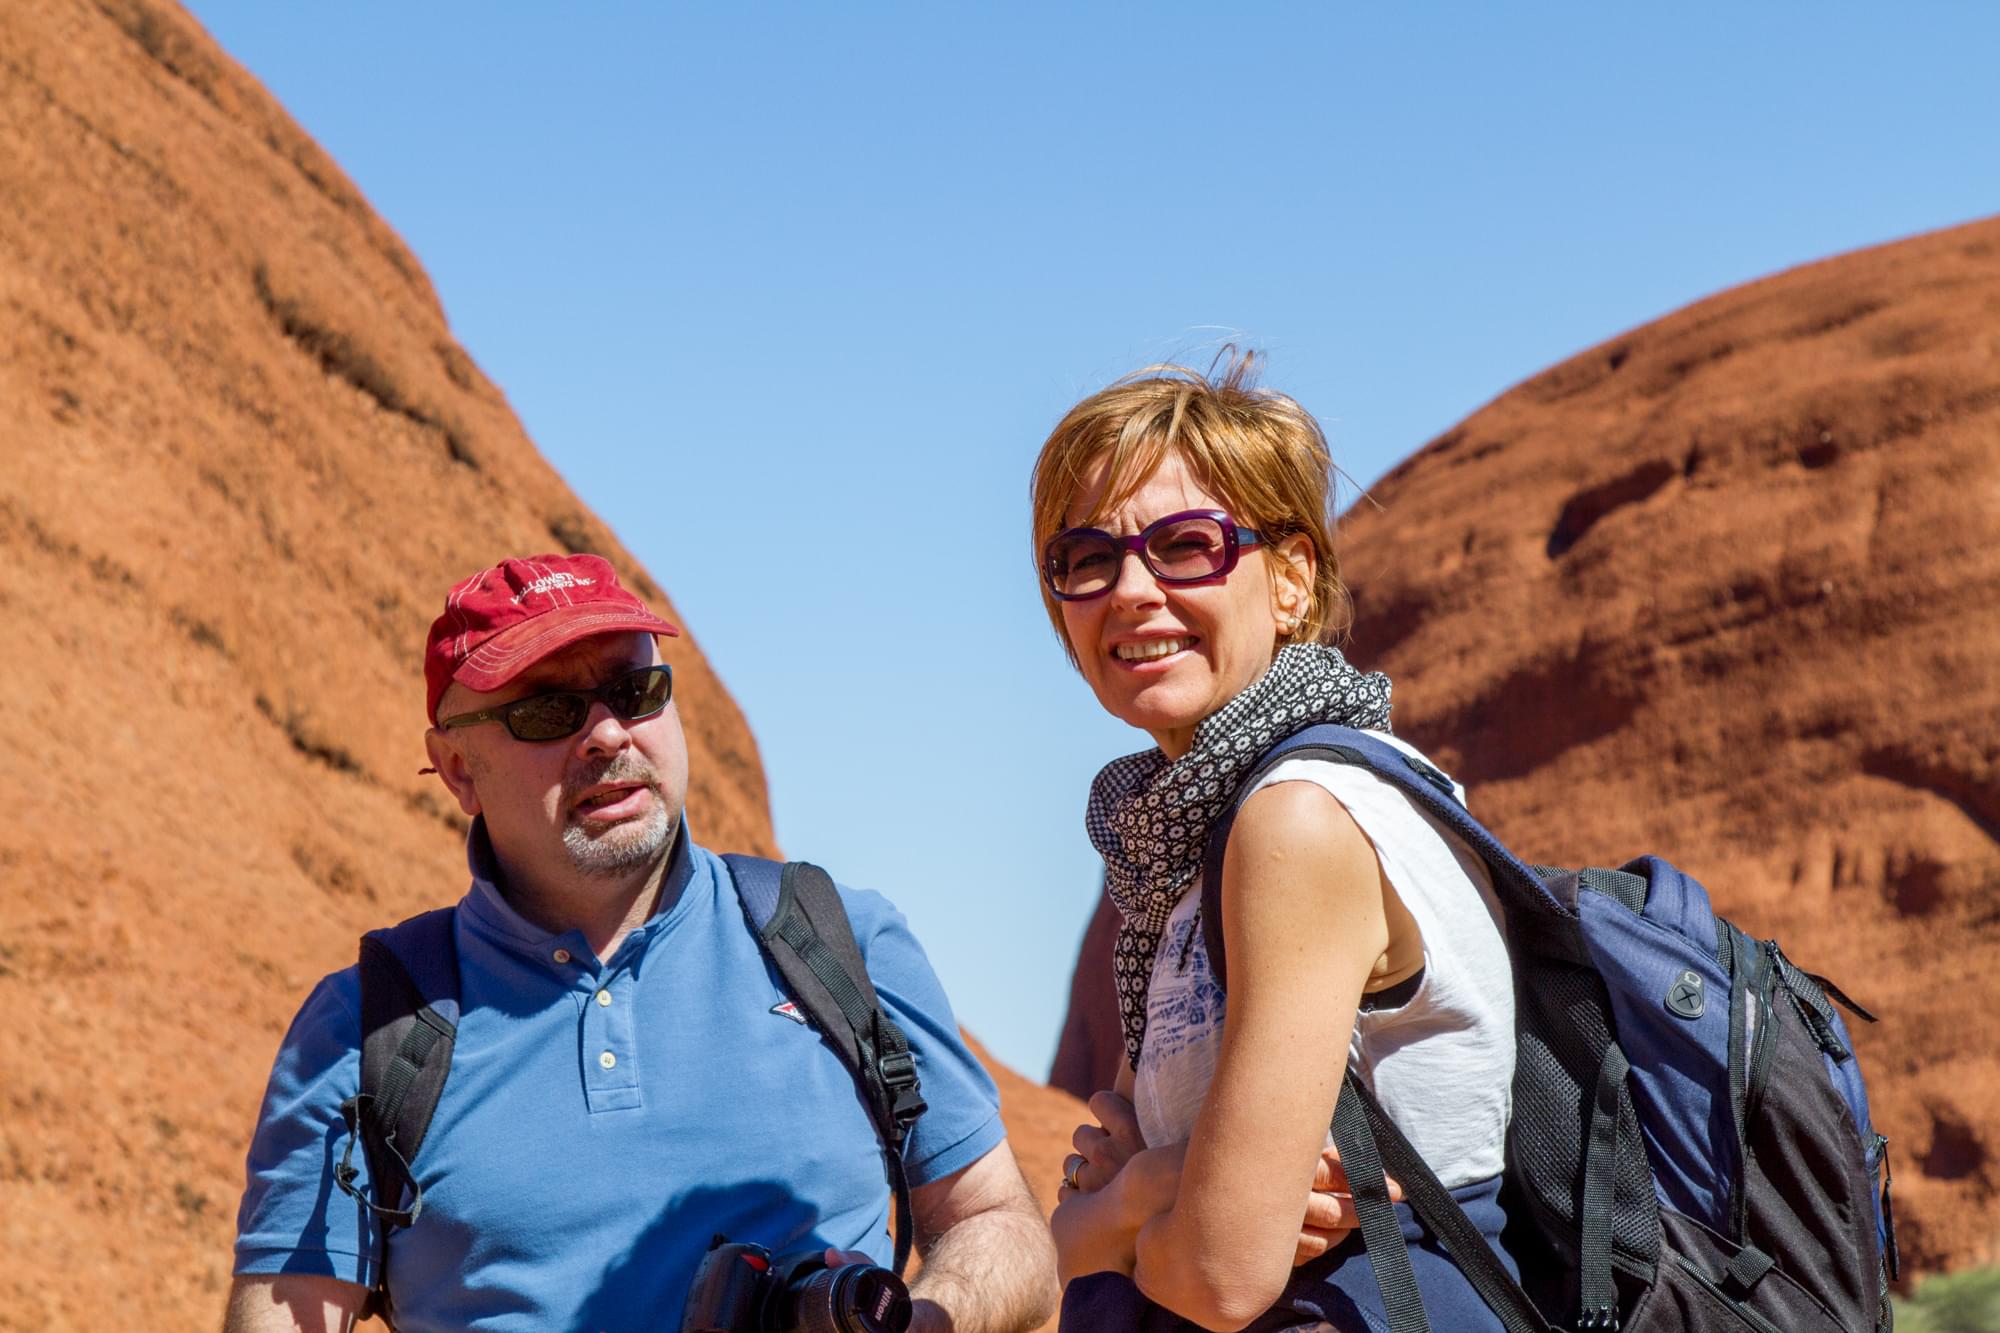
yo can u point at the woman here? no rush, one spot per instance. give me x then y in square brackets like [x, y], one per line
[1183, 524]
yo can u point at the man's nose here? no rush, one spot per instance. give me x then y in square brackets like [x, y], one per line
[604, 732]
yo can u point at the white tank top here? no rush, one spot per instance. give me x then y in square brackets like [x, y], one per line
[1442, 1064]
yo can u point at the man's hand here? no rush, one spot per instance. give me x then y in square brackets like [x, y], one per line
[989, 1264]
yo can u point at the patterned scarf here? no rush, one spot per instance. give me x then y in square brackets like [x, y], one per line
[1150, 817]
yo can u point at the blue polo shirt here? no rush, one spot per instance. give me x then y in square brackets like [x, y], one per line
[604, 1118]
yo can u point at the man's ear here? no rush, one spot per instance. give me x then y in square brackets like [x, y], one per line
[1293, 566]
[452, 770]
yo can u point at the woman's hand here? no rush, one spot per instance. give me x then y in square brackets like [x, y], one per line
[1330, 1215]
[1102, 1149]
[1149, 1182]
[1096, 1229]
[1112, 1185]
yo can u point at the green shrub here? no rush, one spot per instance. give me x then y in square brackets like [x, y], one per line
[1967, 1302]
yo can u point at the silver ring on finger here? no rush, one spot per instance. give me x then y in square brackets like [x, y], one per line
[1071, 1165]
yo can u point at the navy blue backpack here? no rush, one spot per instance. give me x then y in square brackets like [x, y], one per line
[1690, 1146]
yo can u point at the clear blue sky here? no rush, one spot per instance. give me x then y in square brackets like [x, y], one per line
[775, 286]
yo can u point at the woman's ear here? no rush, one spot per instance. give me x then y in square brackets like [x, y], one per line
[1293, 566]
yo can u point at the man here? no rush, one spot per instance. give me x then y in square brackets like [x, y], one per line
[629, 1079]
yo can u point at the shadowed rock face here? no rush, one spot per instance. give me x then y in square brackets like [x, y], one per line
[1092, 1048]
[1728, 588]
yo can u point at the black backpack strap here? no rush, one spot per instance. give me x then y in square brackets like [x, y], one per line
[1381, 1230]
[409, 1019]
[1597, 1291]
[1434, 1206]
[797, 916]
[1370, 1143]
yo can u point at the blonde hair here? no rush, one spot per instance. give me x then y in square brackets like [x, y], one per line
[1257, 450]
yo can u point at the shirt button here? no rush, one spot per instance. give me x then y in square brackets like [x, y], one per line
[604, 998]
[607, 1061]
[560, 955]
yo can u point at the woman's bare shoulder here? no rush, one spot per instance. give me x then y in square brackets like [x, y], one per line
[1296, 821]
[1308, 870]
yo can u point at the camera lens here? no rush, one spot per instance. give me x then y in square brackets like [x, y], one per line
[854, 1298]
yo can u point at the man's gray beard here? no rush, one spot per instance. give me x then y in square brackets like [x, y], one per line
[622, 847]
[627, 845]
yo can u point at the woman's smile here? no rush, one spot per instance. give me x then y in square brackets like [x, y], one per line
[1153, 654]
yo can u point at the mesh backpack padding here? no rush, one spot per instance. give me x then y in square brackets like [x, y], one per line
[1563, 1031]
[1809, 1194]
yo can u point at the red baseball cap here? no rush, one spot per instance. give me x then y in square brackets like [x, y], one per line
[503, 620]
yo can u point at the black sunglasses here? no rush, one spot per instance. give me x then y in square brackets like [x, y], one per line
[632, 697]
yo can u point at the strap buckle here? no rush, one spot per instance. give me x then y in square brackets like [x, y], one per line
[899, 1070]
[899, 1079]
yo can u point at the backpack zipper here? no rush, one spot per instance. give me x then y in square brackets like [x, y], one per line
[1749, 1316]
[1879, 1175]
[1753, 1043]
[1765, 1019]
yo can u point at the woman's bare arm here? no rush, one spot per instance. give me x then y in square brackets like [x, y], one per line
[1305, 925]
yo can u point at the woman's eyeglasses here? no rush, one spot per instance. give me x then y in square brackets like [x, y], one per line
[632, 697]
[1189, 547]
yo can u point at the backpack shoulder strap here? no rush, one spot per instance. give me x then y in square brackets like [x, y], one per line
[1430, 790]
[409, 1019]
[1366, 1135]
[797, 916]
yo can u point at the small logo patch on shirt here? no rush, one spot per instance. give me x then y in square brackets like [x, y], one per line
[789, 1010]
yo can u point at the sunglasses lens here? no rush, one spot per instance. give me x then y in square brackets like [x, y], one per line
[1081, 563]
[1190, 548]
[641, 694]
[548, 717]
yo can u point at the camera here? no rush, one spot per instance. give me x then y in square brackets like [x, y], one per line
[740, 1288]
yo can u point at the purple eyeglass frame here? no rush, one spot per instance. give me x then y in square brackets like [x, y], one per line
[1235, 540]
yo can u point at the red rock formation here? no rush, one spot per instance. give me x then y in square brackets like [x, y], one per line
[1092, 1048]
[1728, 587]
[241, 457]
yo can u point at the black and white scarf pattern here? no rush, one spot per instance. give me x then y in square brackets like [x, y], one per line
[1149, 817]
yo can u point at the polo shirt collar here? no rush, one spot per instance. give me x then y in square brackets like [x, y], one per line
[489, 909]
